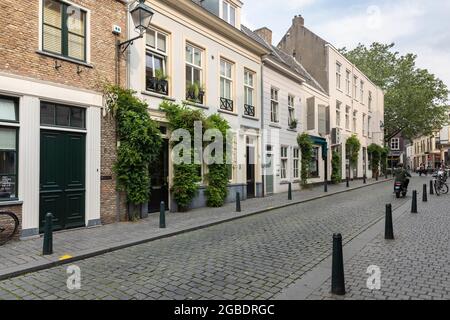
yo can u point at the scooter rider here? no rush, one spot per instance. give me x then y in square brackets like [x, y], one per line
[401, 175]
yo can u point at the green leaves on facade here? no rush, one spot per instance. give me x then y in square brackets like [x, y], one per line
[140, 143]
[336, 169]
[305, 144]
[353, 146]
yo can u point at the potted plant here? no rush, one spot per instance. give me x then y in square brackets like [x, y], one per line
[161, 81]
[195, 92]
[293, 124]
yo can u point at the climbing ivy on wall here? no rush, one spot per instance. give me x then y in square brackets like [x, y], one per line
[336, 168]
[140, 143]
[305, 144]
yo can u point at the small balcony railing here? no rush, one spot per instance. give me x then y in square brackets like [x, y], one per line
[249, 110]
[157, 86]
[190, 96]
[226, 104]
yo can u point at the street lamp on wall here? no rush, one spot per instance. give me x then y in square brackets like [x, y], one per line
[141, 15]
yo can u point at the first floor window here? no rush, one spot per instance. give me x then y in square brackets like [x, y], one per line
[291, 109]
[64, 30]
[156, 62]
[283, 171]
[395, 144]
[194, 73]
[226, 85]
[314, 166]
[249, 93]
[295, 164]
[274, 106]
[8, 148]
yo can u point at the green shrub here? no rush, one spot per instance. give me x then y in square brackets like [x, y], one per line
[306, 148]
[336, 165]
[140, 143]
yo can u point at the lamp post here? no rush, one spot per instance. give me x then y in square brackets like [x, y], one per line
[142, 16]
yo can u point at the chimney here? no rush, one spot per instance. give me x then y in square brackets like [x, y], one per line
[298, 20]
[265, 33]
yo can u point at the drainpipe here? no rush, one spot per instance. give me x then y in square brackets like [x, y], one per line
[263, 147]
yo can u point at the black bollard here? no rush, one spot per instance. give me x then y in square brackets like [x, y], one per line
[162, 215]
[337, 272]
[290, 191]
[431, 187]
[364, 179]
[325, 186]
[48, 235]
[348, 183]
[425, 193]
[414, 202]
[389, 228]
[238, 202]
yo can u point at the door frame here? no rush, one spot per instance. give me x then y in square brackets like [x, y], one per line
[250, 146]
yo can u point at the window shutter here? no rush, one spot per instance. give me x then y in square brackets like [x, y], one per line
[310, 118]
[328, 124]
[322, 119]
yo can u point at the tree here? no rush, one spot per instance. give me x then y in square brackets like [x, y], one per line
[415, 100]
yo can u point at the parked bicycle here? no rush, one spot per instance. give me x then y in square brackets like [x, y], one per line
[440, 182]
[9, 224]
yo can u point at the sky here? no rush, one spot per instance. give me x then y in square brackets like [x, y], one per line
[421, 27]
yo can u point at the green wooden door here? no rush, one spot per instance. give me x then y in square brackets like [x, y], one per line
[62, 179]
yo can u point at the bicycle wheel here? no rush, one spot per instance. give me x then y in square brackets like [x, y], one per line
[437, 188]
[9, 223]
[444, 188]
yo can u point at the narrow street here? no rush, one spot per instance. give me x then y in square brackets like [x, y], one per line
[251, 258]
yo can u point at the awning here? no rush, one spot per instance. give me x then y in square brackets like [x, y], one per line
[321, 142]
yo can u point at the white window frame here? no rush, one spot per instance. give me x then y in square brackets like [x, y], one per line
[227, 79]
[338, 113]
[296, 163]
[355, 87]
[355, 121]
[291, 108]
[249, 88]
[274, 105]
[229, 6]
[283, 162]
[192, 64]
[364, 124]
[369, 102]
[348, 83]
[361, 91]
[338, 75]
[395, 144]
[347, 117]
[156, 51]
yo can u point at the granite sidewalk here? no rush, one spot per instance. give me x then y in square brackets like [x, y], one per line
[21, 257]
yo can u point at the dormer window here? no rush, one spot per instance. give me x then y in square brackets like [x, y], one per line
[228, 13]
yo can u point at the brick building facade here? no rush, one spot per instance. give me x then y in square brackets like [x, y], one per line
[56, 57]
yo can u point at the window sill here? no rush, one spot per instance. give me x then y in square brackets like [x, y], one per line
[227, 112]
[198, 105]
[55, 56]
[157, 95]
[284, 182]
[10, 203]
[274, 125]
[250, 118]
[292, 130]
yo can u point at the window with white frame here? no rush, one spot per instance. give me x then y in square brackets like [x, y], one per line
[355, 117]
[9, 134]
[64, 29]
[395, 144]
[369, 103]
[364, 124]
[156, 62]
[369, 119]
[348, 85]
[228, 13]
[314, 164]
[347, 117]
[291, 111]
[249, 93]
[361, 88]
[284, 161]
[295, 163]
[338, 75]
[338, 113]
[355, 87]
[226, 85]
[194, 73]
[274, 105]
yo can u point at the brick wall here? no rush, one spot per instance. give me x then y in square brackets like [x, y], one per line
[19, 43]
[17, 210]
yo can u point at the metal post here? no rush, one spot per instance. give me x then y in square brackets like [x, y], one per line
[290, 191]
[162, 215]
[238, 202]
[325, 181]
[389, 228]
[48, 235]
[414, 202]
[337, 272]
[425, 193]
[431, 187]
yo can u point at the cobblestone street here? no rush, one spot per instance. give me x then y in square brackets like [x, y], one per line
[258, 256]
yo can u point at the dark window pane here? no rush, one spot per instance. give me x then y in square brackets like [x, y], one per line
[8, 187]
[7, 162]
[47, 113]
[77, 118]
[62, 116]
